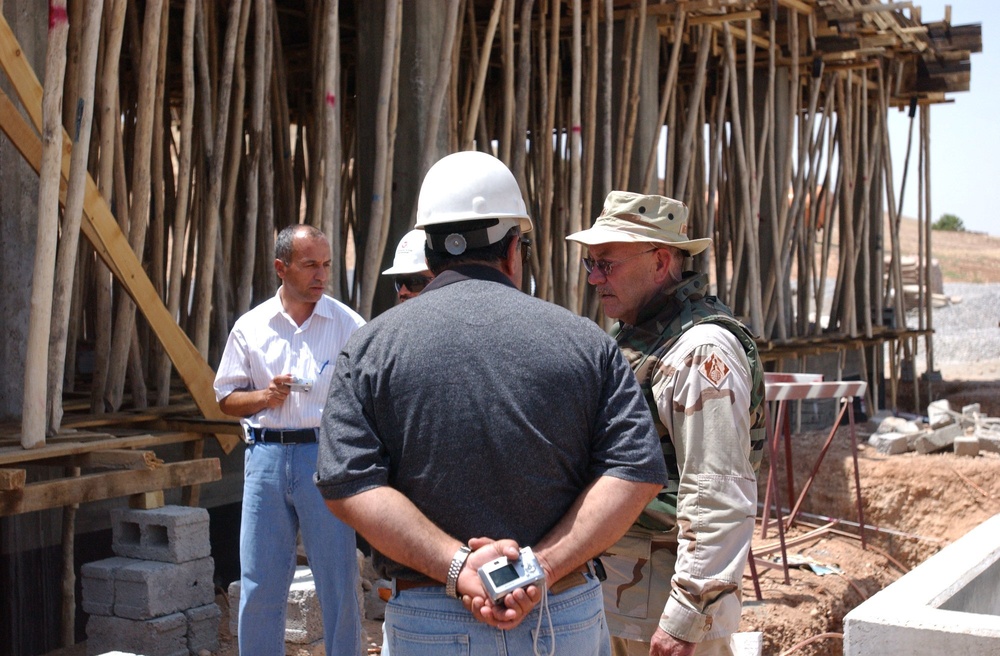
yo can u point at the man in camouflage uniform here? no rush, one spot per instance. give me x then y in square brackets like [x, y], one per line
[674, 580]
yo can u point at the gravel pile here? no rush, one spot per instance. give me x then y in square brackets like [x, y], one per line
[969, 330]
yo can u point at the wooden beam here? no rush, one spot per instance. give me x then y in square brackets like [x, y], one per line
[120, 459]
[12, 479]
[723, 18]
[883, 7]
[101, 229]
[53, 449]
[740, 33]
[797, 5]
[96, 487]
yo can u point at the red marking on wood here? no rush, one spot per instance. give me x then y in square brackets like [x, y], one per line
[57, 15]
[331, 99]
[576, 128]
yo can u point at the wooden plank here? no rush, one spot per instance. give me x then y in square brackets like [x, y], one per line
[715, 19]
[797, 5]
[12, 479]
[109, 485]
[101, 229]
[16, 455]
[106, 459]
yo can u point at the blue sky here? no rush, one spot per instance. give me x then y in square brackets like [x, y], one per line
[965, 134]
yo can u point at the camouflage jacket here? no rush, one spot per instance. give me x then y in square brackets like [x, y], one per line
[702, 378]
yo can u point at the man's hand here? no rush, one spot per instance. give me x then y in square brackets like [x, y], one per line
[515, 606]
[276, 393]
[664, 644]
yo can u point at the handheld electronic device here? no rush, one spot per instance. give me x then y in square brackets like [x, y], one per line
[301, 384]
[501, 576]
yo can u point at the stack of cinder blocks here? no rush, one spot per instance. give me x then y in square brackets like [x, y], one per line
[157, 596]
[303, 620]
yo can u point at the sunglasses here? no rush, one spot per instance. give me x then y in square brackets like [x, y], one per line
[415, 284]
[525, 248]
[606, 266]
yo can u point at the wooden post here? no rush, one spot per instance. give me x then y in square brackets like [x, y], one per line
[33, 426]
[69, 243]
[378, 227]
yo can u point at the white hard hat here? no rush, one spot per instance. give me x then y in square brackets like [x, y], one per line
[409, 255]
[469, 200]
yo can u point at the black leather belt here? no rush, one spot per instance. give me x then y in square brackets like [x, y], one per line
[283, 436]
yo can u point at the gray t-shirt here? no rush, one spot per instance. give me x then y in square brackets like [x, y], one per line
[489, 409]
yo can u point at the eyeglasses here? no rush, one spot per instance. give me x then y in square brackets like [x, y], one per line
[415, 284]
[605, 266]
[525, 248]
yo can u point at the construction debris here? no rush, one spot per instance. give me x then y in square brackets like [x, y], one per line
[967, 433]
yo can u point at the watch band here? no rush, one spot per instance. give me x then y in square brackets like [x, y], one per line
[457, 563]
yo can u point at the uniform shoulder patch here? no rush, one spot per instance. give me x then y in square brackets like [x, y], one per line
[714, 369]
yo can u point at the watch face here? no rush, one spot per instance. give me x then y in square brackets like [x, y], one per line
[503, 576]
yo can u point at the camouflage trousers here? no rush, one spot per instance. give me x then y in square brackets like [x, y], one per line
[639, 568]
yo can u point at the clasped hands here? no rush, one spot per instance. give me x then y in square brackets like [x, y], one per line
[514, 607]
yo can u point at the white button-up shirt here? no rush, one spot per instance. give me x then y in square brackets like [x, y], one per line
[266, 342]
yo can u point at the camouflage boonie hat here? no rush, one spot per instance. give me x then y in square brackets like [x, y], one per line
[631, 217]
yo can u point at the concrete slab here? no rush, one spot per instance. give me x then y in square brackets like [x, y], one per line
[937, 440]
[889, 444]
[949, 604]
[748, 643]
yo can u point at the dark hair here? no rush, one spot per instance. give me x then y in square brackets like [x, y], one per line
[283, 244]
[492, 254]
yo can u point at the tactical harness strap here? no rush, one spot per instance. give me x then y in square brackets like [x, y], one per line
[639, 345]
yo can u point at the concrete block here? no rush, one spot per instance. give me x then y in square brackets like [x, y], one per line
[748, 643]
[890, 443]
[304, 619]
[966, 445]
[97, 582]
[875, 420]
[937, 410]
[988, 441]
[172, 534]
[233, 595]
[317, 648]
[148, 588]
[939, 439]
[971, 409]
[203, 628]
[898, 425]
[160, 636]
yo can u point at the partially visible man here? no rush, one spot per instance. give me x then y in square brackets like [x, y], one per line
[275, 373]
[409, 266]
[474, 420]
[674, 581]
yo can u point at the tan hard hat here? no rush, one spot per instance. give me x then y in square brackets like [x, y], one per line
[631, 217]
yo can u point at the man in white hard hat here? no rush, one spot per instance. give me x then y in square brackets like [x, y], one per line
[409, 267]
[478, 420]
[674, 581]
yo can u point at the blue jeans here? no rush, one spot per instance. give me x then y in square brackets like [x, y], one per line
[426, 622]
[280, 498]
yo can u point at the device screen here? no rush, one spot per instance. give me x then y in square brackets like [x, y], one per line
[503, 575]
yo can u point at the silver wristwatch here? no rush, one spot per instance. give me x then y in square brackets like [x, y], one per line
[457, 563]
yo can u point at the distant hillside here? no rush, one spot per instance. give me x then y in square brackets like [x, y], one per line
[963, 256]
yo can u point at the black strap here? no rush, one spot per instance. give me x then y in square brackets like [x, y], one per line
[283, 436]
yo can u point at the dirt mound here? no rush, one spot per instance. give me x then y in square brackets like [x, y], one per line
[916, 503]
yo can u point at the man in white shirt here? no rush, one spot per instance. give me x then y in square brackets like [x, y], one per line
[275, 373]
